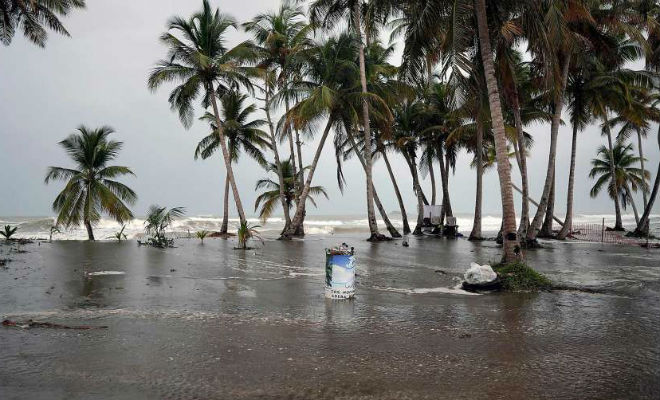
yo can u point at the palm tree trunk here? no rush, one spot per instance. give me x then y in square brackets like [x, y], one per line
[390, 228]
[522, 164]
[432, 174]
[300, 160]
[225, 208]
[90, 232]
[618, 226]
[643, 225]
[549, 177]
[632, 203]
[276, 153]
[292, 152]
[568, 220]
[299, 215]
[371, 215]
[476, 225]
[641, 162]
[418, 191]
[397, 192]
[446, 200]
[226, 157]
[546, 228]
[510, 243]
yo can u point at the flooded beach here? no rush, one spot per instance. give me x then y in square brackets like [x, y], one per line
[208, 321]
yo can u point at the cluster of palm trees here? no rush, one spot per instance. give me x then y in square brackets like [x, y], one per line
[474, 74]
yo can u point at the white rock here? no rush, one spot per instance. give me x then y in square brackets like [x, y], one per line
[479, 274]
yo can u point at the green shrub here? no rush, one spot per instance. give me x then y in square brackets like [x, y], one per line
[516, 277]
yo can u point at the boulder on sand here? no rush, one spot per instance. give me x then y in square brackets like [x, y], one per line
[480, 277]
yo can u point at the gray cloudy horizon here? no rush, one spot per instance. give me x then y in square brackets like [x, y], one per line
[98, 77]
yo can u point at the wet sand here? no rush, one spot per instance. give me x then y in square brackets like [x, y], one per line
[207, 321]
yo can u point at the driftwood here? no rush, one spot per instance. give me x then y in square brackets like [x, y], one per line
[34, 324]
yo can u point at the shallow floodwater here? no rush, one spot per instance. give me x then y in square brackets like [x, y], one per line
[208, 321]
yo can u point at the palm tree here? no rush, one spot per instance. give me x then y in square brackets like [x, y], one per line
[268, 199]
[33, 17]
[510, 237]
[628, 178]
[158, 220]
[283, 35]
[327, 13]
[240, 132]
[329, 94]
[405, 140]
[8, 231]
[200, 61]
[91, 189]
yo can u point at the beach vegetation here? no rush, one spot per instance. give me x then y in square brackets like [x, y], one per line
[202, 65]
[120, 235]
[627, 176]
[8, 231]
[156, 223]
[53, 230]
[518, 277]
[91, 187]
[243, 134]
[247, 232]
[201, 235]
[268, 199]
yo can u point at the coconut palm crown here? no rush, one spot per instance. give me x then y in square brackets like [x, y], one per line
[91, 189]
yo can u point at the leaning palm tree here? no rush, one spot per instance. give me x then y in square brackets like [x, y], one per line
[281, 36]
[628, 178]
[268, 199]
[511, 243]
[328, 94]
[200, 61]
[91, 189]
[241, 132]
[327, 13]
[33, 17]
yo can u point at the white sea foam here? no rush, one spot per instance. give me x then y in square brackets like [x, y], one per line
[455, 290]
[101, 273]
[31, 227]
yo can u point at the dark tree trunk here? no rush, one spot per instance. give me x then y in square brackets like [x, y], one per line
[90, 232]
[476, 226]
[225, 208]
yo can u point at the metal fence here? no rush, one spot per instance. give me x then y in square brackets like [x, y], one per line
[599, 233]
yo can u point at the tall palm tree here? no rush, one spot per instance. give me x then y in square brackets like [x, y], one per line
[33, 17]
[405, 140]
[91, 187]
[240, 132]
[327, 13]
[200, 61]
[281, 37]
[510, 237]
[268, 199]
[627, 179]
[329, 94]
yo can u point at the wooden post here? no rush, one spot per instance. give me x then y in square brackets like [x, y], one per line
[602, 231]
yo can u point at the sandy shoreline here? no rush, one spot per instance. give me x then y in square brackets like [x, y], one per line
[205, 321]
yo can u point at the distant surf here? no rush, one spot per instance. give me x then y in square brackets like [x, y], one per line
[39, 227]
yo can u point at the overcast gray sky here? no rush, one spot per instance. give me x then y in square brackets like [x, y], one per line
[98, 77]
